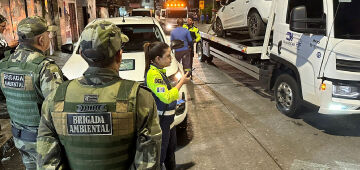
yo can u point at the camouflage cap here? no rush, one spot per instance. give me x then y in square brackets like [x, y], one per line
[2, 19]
[100, 40]
[32, 26]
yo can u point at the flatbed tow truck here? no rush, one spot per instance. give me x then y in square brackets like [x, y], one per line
[309, 54]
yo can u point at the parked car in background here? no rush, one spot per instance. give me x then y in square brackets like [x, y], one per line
[251, 15]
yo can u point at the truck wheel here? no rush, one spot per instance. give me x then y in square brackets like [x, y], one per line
[256, 25]
[219, 29]
[287, 95]
[200, 53]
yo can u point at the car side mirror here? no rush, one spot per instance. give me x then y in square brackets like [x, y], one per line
[176, 44]
[67, 48]
[299, 22]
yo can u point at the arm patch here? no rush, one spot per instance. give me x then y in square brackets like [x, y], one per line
[160, 89]
[159, 81]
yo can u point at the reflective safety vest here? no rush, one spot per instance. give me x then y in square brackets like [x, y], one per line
[96, 125]
[20, 82]
[163, 108]
[194, 32]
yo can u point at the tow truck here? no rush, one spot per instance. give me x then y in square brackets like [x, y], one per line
[172, 10]
[309, 54]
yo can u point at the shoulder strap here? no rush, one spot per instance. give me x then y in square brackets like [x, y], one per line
[61, 91]
[125, 90]
[166, 81]
[38, 60]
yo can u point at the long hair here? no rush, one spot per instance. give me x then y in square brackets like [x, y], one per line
[152, 50]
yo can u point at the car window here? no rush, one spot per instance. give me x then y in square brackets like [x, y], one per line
[141, 13]
[314, 8]
[139, 35]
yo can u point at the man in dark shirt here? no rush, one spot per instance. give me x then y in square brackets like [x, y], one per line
[182, 54]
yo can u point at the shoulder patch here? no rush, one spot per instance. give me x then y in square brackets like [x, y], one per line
[159, 81]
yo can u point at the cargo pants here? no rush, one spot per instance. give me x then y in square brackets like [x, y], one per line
[27, 149]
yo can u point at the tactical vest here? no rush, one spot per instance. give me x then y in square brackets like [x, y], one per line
[20, 82]
[96, 125]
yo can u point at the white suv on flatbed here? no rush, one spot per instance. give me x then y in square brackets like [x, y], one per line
[249, 15]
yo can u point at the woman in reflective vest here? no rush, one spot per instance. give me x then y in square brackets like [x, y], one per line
[158, 56]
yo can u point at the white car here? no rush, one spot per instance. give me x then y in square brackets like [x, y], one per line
[251, 15]
[139, 30]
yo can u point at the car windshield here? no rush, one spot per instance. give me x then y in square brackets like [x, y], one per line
[177, 14]
[139, 35]
[347, 22]
[141, 13]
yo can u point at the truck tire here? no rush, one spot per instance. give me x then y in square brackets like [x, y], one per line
[200, 53]
[219, 29]
[210, 59]
[256, 25]
[287, 95]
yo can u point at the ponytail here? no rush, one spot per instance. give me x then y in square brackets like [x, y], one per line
[152, 50]
[147, 56]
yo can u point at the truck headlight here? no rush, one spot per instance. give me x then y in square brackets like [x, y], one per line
[344, 91]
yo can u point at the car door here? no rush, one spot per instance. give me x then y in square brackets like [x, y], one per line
[240, 9]
[228, 14]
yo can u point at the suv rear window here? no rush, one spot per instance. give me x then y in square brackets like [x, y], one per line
[139, 35]
[141, 13]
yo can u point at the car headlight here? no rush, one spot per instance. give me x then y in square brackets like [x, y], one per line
[168, 27]
[344, 91]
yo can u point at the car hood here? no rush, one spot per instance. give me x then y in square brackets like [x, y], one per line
[76, 66]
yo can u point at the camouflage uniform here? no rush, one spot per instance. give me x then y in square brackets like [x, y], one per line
[50, 78]
[99, 40]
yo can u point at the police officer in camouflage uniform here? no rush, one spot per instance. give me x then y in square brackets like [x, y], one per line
[100, 121]
[27, 77]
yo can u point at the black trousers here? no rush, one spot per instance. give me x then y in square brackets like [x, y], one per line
[192, 55]
[168, 143]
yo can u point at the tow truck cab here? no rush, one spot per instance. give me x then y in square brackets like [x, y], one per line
[319, 43]
[170, 13]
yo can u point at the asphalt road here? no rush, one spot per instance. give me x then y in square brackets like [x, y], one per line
[233, 124]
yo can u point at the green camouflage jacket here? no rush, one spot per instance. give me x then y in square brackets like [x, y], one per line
[51, 155]
[50, 75]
